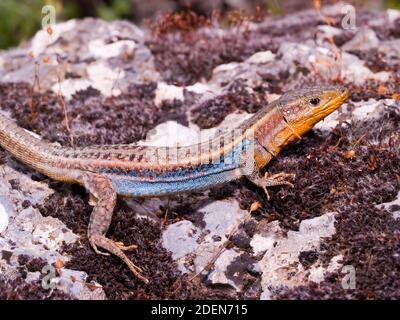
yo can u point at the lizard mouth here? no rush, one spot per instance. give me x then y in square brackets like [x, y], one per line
[337, 101]
[331, 105]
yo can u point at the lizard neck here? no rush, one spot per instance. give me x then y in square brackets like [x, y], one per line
[271, 135]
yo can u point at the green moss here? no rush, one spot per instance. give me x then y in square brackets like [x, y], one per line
[393, 4]
[19, 20]
[116, 10]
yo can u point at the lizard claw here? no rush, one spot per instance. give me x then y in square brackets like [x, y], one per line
[126, 248]
[279, 179]
[267, 193]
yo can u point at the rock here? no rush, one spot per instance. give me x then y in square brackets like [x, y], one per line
[5, 205]
[70, 86]
[393, 206]
[325, 32]
[248, 71]
[167, 92]
[315, 58]
[38, 235]
[33, 276]
[354, 70]
[323, 61]
[26, 231]
[280, 265]
[181, 238]
[3, 218]
[392, 15]
[227, 67]
[105, 78]
[51, 233]
[261, 57]
[195, 247]
[198, 88]
[363, 40]
[149, 208]
[28, 190]
[219, 273]
[171, 133]
[370, 109]
[317, 273]
[2, 62]
[329, 122]
[221, 216]
[103, 47]
[100, 49]
[260, 244]
[42, 39]
[74, 283]
[329, 31]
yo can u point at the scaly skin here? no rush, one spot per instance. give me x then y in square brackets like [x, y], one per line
[137, 171]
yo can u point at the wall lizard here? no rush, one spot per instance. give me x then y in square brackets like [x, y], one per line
[144, 171]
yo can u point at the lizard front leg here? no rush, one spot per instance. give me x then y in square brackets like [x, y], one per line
[104, 196]
[278, 179]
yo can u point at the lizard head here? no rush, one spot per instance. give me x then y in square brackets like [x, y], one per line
[304, 108]
[291, 116]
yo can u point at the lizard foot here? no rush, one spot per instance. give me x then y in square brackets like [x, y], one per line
[279, 179]
[116, 248]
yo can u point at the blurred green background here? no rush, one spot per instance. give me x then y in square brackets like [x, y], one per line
[20, 19]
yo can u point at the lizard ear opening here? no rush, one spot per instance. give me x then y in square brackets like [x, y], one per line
[291, 128]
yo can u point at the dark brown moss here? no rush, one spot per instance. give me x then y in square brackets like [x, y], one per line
[373, 89]
[187, 58]
[31, 264]
[308, 258]
[122, 119]
[211, 112]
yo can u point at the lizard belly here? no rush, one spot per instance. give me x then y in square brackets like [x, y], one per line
[181, 178]
[165, 183]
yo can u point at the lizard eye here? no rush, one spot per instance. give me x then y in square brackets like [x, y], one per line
[315, 101]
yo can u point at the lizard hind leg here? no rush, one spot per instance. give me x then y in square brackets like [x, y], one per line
[101, 190]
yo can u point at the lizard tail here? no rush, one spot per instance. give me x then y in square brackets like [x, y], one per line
[23, 145]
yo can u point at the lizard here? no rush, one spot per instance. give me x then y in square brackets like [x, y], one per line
[131, 170]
